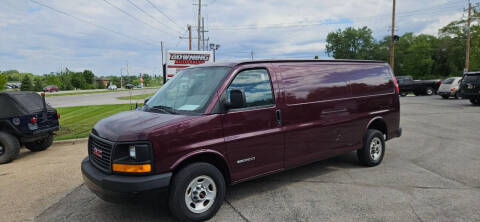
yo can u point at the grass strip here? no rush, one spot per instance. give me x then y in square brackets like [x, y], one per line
[77, 121]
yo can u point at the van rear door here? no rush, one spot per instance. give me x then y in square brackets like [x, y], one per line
[253, 134]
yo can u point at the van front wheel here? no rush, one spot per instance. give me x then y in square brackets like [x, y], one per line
[373, 149]
[197, 192]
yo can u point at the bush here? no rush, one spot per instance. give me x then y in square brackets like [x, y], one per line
[38, 84]
[27, 84]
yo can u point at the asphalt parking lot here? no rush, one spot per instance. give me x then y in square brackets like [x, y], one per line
[429, 174]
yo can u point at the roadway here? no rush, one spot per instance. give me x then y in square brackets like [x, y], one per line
[96, 98]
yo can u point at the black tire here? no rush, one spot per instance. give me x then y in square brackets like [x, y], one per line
[365, 155]
[429, 91]
[445, 97]
[10, 147]
[178, 191]
[40, 145]
[403, 94]
[475, 101]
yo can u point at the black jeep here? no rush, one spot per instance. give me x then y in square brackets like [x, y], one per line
[25, 119]
[470, 87]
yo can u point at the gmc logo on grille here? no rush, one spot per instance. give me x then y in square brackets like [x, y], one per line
[97, 152]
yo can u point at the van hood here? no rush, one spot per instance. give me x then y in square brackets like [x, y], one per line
[135, 125]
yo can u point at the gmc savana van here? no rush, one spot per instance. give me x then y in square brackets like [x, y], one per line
[224, 123]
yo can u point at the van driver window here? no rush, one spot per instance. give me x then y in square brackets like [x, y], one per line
[256, 85]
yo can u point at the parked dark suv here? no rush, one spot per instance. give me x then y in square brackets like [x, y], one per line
[470, 87]
[226, 123]
[25, 119]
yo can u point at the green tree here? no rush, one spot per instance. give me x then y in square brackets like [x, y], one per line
[38, 84]
[52, 79]
[27, 84]
[3, 81]
[89, 76]
[78, 80]
[351, 43]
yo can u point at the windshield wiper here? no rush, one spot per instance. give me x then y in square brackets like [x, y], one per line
[165, 109]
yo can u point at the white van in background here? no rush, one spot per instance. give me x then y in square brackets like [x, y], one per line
[178, 60]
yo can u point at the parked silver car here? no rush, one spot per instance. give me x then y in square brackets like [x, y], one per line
[449, 87]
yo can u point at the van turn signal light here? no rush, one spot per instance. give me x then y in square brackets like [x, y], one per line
[132, 168]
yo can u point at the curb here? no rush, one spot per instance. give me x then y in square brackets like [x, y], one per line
[72, 141]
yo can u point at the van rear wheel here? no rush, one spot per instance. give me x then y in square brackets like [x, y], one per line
[40, 145]
[373, 149]
[9, 147]
[197, 192]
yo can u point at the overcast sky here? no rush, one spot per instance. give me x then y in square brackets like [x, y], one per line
[103, 35]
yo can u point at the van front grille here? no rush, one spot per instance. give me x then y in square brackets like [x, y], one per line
[100, 153]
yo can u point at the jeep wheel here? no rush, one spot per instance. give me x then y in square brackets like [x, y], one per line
[374, 149]
[9, 147]
[40, 145]
[403, 94]
[429, 91]
[197, 192]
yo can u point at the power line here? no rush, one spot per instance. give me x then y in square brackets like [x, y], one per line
[149, 15]
[91, 23]
[431, 10]
[155, 7]
[135, 18]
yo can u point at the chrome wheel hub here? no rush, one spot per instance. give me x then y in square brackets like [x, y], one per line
[376, 148]
[2, 150]
[200, 194]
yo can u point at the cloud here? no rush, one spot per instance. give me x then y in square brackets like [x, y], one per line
[39, 40]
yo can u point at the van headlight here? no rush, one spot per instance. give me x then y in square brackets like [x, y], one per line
[132, 158]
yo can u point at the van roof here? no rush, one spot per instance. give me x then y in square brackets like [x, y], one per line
[242, 62]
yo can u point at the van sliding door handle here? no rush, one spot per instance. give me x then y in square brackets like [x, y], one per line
[278, 116]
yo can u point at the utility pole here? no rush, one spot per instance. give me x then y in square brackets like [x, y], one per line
[199, 18]
[161, 46]
[251, 54]
[189, 37]
[467, 56]
[392, 43]
[203, 34]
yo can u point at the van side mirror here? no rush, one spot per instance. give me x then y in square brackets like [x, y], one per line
[237, 99]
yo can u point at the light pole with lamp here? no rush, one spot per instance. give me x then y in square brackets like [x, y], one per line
[214, 47]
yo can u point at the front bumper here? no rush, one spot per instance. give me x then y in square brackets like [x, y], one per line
[119, 188]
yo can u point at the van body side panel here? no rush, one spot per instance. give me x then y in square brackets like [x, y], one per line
[373, 90]
[175, 142]
[317, 111]
[254, 140]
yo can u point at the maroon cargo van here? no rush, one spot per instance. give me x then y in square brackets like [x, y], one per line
[217, 125]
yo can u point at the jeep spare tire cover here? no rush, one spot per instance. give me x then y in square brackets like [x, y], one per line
[20, 103]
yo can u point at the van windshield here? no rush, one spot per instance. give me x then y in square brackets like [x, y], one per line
[188, 92]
